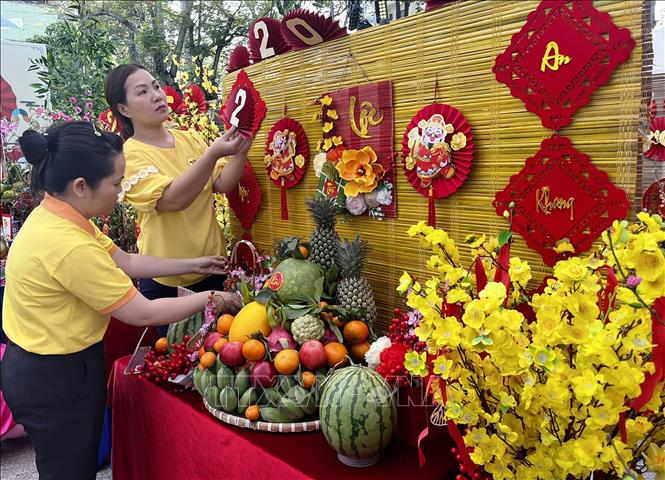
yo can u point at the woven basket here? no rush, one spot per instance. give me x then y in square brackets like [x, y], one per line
[295, 427]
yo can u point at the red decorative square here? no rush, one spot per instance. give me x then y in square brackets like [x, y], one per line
[560, 56]
[246, 199]
[560, 194]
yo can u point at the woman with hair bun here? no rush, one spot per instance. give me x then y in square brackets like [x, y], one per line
[64, 279]
[171, 176]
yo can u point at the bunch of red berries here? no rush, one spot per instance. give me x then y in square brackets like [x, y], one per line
[392, 364]
[161, 367]
[464, 475]
[400, 330]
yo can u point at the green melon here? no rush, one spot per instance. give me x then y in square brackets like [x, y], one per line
[294, 277]
[188, 326]
[358, 412]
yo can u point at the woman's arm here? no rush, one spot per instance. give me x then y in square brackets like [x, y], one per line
[144, 266]
[141, 312]
[183, 190]
[232, 171]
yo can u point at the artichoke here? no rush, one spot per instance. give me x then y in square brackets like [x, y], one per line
[307, 327]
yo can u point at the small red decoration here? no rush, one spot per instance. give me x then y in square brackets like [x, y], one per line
[560, 56]
[276, 281]
[246, 198]
[173, 99]
[286, 156]
[655, 146]
[437, 152]
[106, 117]
[238, 59]
[265, 39]
[653, 199]
[194, 95]
[302, 28]
[560, 194]
[244, 108]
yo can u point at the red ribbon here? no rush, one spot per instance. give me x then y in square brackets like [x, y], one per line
[431, 211]
[605, 300]
[285, 208]
[481, 276]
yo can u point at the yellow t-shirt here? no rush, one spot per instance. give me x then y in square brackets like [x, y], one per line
[61, 282]
[189, 233]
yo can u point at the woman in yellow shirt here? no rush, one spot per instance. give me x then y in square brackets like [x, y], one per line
[170, 178]
[64, 279]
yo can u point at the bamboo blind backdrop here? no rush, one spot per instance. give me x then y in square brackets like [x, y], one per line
[457, 44]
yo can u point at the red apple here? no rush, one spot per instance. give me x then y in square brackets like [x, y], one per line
[312, 355]
[211, 339]
[231, 354]
[263, 373]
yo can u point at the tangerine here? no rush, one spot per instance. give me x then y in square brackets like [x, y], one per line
[337, 322]
[202, 351]
[286, 362]
[336, 354]
[359, 350]
[219, 344]
[162, 345]
[253, 350]
[303, 250]
[208, 359]
[356, 331]
[308, 379]
[224, 323]
[252, 413]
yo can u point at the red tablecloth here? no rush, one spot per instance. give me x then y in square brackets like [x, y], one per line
[159, 433]
[120, 339]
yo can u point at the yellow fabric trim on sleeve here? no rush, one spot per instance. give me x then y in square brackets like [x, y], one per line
[121, 302]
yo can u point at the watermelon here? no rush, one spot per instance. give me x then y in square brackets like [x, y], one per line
[188, 326]
[358, 413]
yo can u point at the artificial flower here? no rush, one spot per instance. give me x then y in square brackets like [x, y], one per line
[375, 349]
[360, 170]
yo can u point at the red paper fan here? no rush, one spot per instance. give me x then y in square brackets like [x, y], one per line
[437, 152]
[173, 99]
[656, 146]
[287, 155]
[246, 198]
[302, 28]
[238, 59]
[653, 199]
[244, 108]
[266, 40]
[106, 117]
[432, 4]
[7, 99]
[194, 94]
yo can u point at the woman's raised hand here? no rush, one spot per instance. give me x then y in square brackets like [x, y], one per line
[241, 154]
[228, 144]
[211, 265]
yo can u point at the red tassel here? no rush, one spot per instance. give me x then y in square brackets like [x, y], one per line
[285, 208]
[431, 215]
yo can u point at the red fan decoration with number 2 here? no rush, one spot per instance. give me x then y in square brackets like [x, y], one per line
[302, 28]
[287, 155]
[265, 39]
[437, 152]
[244, 108]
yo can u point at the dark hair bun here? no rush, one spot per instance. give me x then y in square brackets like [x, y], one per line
[34, 146]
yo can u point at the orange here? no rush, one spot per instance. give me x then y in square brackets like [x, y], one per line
[208, 359]
[337, 322]
[359, 350]
[162, 345]
[202, 351]
[219, 344]
[356, 331]
[224, 323]
[252, 413]
[253, 350]
[303, 250]
[336, 354]
[323, 304]
[308, 379]
[286, 362]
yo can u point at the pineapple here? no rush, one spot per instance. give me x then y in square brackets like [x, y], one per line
[324, 238]
[353, 291]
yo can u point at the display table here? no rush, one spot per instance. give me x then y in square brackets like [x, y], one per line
[161, 433]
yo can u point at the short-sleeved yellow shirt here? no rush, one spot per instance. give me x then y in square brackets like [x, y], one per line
[61, 282]
[188, 233]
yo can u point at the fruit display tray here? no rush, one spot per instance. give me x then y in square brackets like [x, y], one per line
[242, 422]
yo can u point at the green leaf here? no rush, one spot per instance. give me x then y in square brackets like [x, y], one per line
[504, 237]
[318, 289]
[264, 296]
[337, 332]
